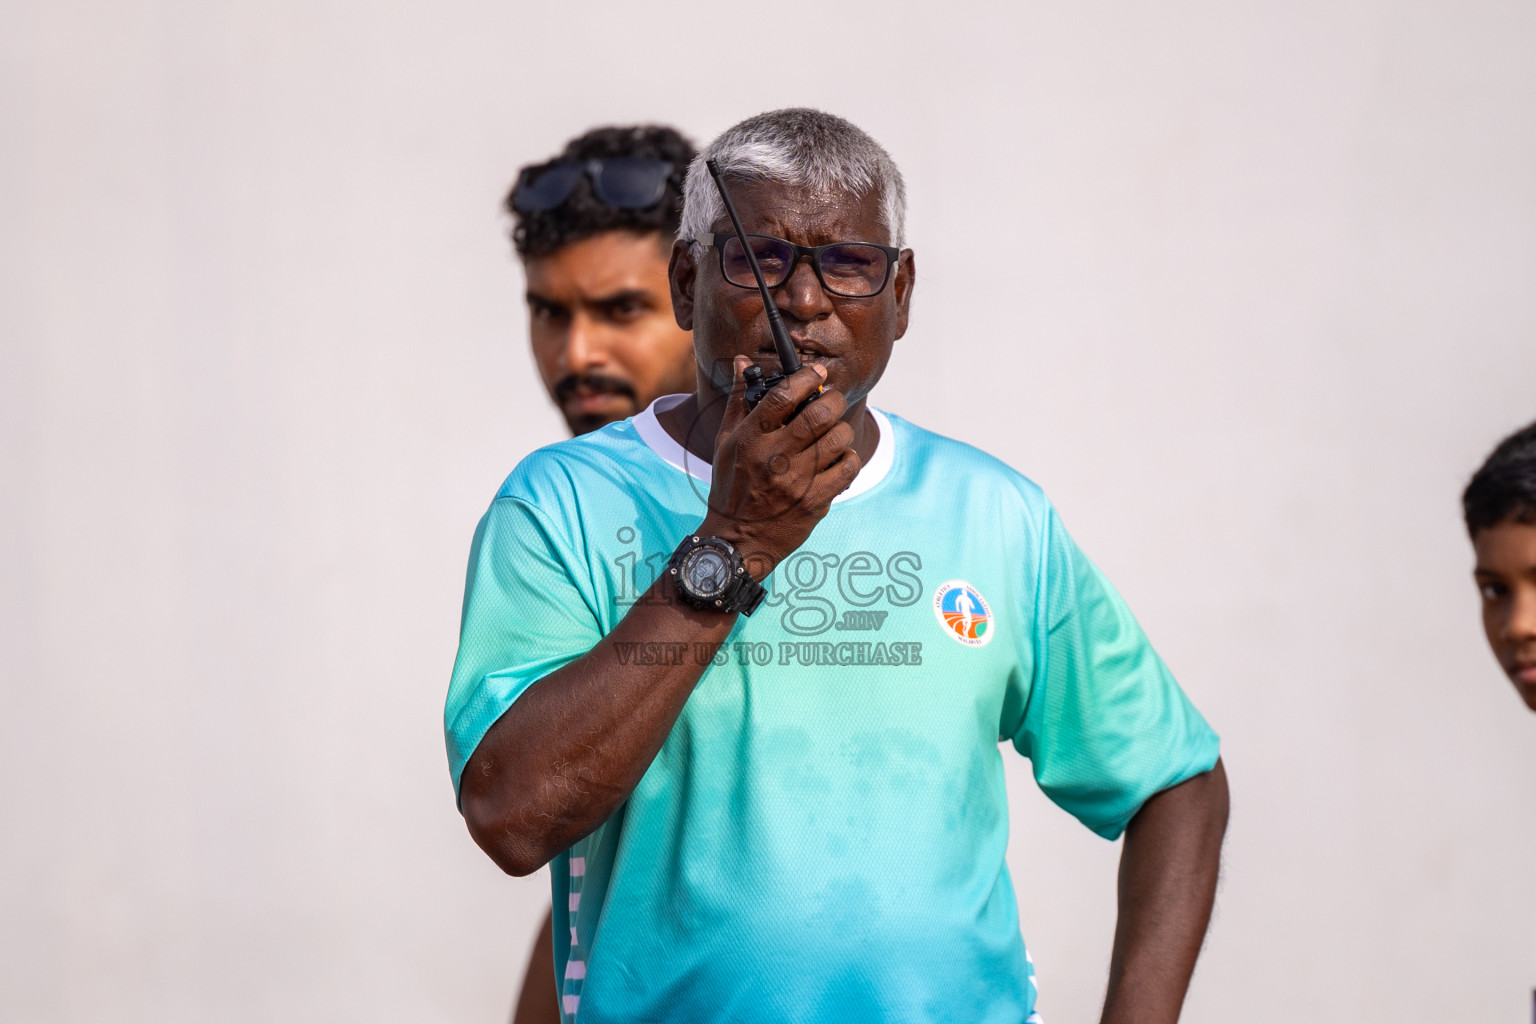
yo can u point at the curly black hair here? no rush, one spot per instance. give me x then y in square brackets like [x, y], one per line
[541, 232]
[1504, 488]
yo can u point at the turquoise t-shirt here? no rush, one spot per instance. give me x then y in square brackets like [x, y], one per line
[822, 836]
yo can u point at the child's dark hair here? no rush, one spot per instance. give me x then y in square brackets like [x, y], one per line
[1504, 489]
[541, 232]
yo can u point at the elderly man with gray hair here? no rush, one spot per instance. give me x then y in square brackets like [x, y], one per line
[739, 674]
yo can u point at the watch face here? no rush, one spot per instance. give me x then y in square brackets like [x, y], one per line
[706, 571]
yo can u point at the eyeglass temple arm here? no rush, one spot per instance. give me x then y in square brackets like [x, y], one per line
[786, 348]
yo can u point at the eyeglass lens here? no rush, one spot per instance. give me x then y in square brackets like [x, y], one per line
[549, 189]
[853, 269]
[631, 182]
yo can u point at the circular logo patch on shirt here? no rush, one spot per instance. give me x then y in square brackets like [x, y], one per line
[963, 612]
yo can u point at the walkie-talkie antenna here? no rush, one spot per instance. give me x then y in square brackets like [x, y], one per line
[788, 360]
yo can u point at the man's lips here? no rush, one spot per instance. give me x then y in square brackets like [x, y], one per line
[1524, 672]
[808, 352]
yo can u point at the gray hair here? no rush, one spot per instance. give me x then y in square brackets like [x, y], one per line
[801, 147]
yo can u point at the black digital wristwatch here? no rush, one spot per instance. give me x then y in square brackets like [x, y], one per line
[711, 576]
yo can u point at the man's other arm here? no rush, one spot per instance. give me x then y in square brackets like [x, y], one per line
[1168, 871]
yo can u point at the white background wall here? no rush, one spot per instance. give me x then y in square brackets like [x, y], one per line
[1246, 286]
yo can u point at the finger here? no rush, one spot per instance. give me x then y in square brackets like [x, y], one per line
[736, 405]
[817, 417]
[831, 445]
[779, 404]
[837, 478]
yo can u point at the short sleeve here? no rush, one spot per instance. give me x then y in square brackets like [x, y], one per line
[526, 614]
[1105, 725]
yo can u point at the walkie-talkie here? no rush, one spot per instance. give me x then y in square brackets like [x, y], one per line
[760, 383]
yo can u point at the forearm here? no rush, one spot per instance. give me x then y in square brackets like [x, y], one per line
[573, 747]
[1168, 872]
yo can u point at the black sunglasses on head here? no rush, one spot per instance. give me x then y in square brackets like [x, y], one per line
[625, 182]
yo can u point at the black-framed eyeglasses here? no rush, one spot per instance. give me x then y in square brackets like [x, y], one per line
[626, 182]
[855, 270]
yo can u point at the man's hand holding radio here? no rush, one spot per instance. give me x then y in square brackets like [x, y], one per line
[775, 471]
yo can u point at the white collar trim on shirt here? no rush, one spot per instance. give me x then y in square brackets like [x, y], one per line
[659, 441]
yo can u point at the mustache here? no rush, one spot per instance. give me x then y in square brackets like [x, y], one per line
[566, 386]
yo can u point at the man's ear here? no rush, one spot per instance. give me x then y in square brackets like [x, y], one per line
[906, 279]
[682, 272]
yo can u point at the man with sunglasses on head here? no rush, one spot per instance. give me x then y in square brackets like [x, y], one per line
[739, 672]
[594, 228]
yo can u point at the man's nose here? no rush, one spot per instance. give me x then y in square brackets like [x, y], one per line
[802, 296]
[584, 348]
[1521, 626]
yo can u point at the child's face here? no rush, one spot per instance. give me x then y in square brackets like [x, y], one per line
[1506, 577]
